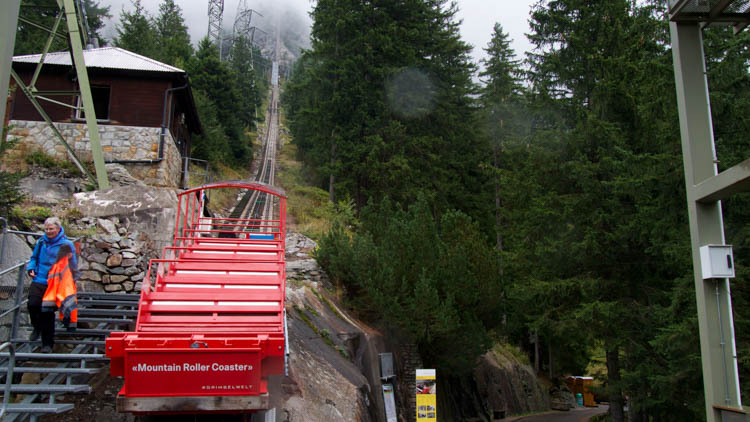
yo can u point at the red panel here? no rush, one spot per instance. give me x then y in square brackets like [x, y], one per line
[192, 373]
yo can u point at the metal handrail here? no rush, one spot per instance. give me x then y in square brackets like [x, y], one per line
[9, 374]
[9, 269]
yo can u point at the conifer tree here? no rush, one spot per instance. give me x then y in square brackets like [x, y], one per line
[171, 32]
[501, 104]
[219, 84]
[242, 63]
[136, 31]
[31, 40]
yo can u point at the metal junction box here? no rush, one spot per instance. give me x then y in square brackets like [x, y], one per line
[717, 261]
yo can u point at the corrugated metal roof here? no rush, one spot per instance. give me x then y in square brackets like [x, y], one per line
[105, 58]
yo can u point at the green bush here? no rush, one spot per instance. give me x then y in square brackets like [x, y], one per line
[41, 159]
[432, 279]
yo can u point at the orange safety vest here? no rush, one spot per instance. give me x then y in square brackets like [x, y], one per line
[61, 293]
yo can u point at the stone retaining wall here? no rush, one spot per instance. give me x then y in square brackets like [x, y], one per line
[118, 143]
[112, 260]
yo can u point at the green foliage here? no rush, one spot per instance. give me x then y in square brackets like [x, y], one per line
[31, 40]
[593, 201]
[172, 35]
[28, 216]
[383, 105]
[242, 64]
[39, 158]
[218, 84]
[136, 31]
[10, 195]
[436, 282]
[42, 159]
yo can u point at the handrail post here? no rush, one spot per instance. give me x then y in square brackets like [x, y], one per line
[5, 233]
[19, 300]
[9, 374]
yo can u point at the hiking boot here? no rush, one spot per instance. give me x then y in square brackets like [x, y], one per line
[34, 336]
[46, 349]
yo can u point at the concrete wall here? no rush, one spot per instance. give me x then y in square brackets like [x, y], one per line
[118, 143]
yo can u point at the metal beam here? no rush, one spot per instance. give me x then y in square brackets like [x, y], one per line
[676, 6]
[8, 23]
[715, 322]
[48, 120]
[719, 8]
[87, 99]
[722, 186]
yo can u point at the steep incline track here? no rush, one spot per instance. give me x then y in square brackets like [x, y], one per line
[256, 205]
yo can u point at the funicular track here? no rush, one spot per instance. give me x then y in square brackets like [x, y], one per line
[255, 205]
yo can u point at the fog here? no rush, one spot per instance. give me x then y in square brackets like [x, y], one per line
[195, 13]
[478, 16]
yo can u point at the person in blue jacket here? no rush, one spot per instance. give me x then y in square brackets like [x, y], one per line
[42, 259]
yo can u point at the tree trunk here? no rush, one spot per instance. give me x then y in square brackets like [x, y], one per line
[536, 351]
[551, 372]
[332, 178]
[613, 387]
[498, 201]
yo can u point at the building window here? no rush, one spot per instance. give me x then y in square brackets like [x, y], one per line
[101, 103]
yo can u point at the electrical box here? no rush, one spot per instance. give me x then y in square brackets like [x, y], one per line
[717, 261]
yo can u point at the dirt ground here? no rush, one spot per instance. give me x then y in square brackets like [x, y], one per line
[99, 405]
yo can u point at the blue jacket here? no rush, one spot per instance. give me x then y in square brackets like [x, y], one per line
[45, 255]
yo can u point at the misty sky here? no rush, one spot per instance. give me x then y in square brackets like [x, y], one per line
[479, 17]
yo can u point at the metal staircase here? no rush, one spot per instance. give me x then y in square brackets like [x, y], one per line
[79, 355]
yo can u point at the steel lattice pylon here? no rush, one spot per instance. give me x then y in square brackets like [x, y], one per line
[242, 25]
[215, 14]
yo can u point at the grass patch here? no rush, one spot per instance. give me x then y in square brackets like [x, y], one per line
[308, 206]
[324, 334]
[510, 352]
[26, 217]
[42, 159]
[329, 304]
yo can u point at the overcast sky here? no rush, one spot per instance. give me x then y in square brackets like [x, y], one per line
[479, 17]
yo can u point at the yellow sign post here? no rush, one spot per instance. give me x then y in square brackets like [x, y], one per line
[426, 395]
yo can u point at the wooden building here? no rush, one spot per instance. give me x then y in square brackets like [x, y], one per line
[129, 91]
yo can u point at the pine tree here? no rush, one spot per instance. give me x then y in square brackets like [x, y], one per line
[243, 66]
[501, 102]
[136, 31]
[596, 67]
[31, 40]
[219, 84]
[171, 32]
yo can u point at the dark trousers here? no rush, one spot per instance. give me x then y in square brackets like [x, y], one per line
[43, 322]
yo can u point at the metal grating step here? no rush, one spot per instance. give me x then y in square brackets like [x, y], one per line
[98, 357]
[83, 332]
[43, 389]
[62, 341]
[119, 321]
[104, 302]
[110, 296]
[53, 369]
[106, 312]
[38, 407]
